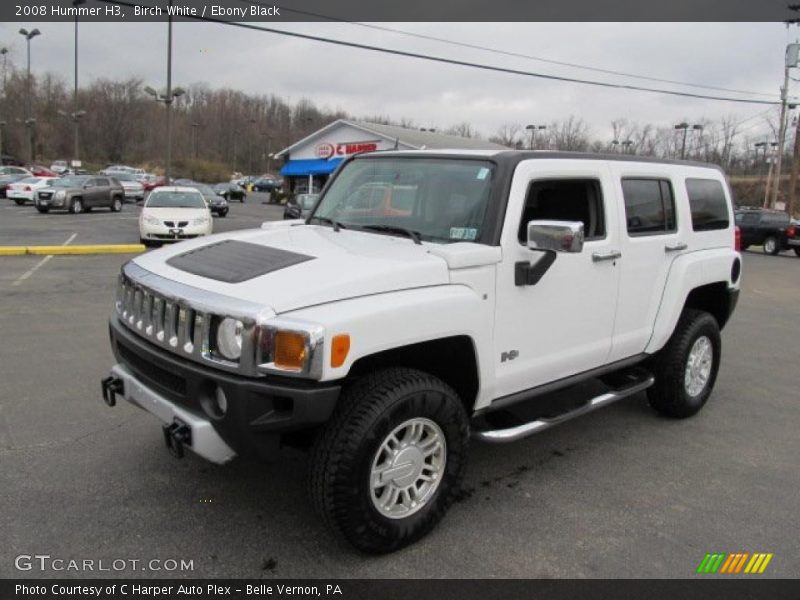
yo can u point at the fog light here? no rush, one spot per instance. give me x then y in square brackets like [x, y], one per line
[213, 400]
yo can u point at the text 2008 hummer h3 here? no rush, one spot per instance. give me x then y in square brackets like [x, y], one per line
[431, 297]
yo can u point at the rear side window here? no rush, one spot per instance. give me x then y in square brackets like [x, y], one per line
[565, 200]
[708, 204]
[649, 206]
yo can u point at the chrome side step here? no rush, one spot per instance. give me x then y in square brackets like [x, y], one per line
[641, 381]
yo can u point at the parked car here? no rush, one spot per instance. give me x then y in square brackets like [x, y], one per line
[15, 170]
[81, 193]
[59, 167]
[231, 192]
[8, 179]
[266, 184]
[40, 171]
[173, 213]
[300, 206]
[770, 229]
[24, 190]
[391, 340]
[134, 190]
[214, 201]
[153, 182]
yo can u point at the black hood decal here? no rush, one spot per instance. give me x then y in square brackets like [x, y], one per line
[233, 261]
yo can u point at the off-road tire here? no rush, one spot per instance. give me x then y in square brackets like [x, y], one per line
[669, 395]
[771, 246]
[342, 455]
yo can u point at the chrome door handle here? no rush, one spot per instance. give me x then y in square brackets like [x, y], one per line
[676, 247]
[610, 255]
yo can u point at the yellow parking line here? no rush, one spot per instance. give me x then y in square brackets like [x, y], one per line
[13, 250]
[94, 249]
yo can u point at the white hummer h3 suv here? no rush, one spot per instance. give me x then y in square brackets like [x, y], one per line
[430, 298]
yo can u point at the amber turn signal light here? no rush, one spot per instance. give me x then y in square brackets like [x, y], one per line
[290, 350]
[340, 346]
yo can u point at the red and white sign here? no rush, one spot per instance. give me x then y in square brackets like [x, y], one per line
[326, 150]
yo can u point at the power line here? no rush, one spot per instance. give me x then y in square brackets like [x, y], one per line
[461, 63]
[515, 54]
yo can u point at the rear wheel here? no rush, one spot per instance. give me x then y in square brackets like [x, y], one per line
[389, 463]
[771, 246]
[19, 201]
[797, 251]
[76, 207]
[116, 204]
[686, 368]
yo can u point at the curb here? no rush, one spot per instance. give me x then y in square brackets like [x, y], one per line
[72, 250]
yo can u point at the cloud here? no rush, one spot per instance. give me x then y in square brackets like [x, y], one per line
[745, 56]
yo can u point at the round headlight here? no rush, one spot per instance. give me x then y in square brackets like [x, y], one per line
[229, 338]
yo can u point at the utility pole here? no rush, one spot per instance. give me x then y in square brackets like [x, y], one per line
[795, 169]
[782, 129]
[195, 125]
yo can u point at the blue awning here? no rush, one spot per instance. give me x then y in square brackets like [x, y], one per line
[313, 166]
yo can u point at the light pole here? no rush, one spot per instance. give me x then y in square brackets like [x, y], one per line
[29, 120]
[685, 127]
[615, 146]
[533, 129]
[252, 122]
[2, 126]
[626, 146]
[76, 112]
[168, 97]
[195, 125]
[4, 53]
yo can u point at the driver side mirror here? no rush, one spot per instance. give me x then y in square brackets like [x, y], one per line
[558, 236]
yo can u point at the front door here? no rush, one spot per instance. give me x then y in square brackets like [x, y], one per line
[563, 325]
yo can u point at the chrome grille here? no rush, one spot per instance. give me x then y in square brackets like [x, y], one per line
[167, 322]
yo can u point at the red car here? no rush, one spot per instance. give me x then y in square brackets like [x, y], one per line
[40, 171]
[150, 184]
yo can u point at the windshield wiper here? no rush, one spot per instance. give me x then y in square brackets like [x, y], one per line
[335, 224]
[414, 235]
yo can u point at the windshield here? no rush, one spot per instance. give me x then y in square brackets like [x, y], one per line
[444, 200]
[175, 200]
[70, 182]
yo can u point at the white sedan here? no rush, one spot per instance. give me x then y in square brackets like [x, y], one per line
[174, 213]
[24, 190]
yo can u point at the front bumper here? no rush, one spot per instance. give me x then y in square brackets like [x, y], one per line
[162, 233]
[260, 411]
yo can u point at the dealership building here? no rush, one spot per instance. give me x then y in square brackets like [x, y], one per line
[309, 162]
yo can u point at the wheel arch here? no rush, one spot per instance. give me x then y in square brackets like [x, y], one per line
[452, 359]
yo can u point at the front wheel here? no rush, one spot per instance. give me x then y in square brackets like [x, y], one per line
[43, 209]
[686, 368]
[76, 207]
[771, 246]
[223, 213]
[389, 463]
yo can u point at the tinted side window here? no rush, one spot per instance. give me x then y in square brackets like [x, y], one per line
[649, 206]
[101, 182]
[708, 205]
[565, 200]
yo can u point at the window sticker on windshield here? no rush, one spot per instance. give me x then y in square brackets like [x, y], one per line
[463, 233]
[482, 173]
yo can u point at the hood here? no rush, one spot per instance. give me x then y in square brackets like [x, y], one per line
[334, 265]
[175, 214]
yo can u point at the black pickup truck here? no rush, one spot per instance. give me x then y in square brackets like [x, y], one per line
[773, 230]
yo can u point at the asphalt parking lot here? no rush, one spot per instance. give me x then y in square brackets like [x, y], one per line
[618, 493]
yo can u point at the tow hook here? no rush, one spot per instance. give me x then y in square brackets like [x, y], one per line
[176, 436]
[112, 386]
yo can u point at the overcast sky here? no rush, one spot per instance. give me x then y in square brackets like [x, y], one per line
[742, 56]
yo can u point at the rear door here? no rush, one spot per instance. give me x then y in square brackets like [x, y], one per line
[651, 238]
